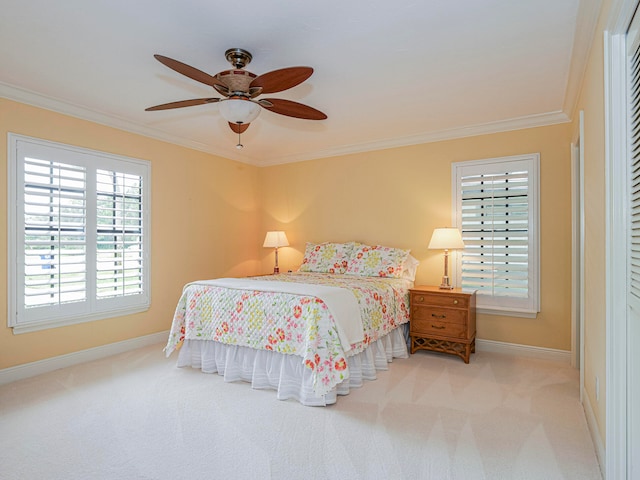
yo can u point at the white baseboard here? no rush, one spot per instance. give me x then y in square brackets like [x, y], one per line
[27, 370]
[523, 350]
[32, 369]
[594, 431]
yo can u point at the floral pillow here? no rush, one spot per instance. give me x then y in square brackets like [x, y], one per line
[377, 261]
[326, 257]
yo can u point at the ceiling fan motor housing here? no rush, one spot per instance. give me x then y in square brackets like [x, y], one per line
[236, 80]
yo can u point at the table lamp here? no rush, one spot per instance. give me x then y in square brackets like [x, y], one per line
[275, 240]
[446, 239]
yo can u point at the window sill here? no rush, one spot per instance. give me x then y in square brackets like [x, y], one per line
[507, 313]
[63, 322]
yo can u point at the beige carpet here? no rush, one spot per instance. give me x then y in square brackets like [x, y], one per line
[137, 416]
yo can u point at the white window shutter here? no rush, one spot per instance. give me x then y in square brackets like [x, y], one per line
[79, 243]
[496, 205]
[119, 247]
[54, 230]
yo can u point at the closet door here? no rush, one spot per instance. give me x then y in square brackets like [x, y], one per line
[633, 252]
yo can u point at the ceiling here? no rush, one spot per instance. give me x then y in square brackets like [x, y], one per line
[386, 73]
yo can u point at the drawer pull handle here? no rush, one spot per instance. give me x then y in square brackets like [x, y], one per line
[438, 316]
[421, 299]
[455, 302]
[438, 327]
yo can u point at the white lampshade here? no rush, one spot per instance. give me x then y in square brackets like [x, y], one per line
[446, 239]
[276, 239]
[239, 110]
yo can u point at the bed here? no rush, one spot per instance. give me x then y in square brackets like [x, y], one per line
[312, 334]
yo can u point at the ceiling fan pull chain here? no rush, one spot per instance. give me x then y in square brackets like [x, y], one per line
[239, 146]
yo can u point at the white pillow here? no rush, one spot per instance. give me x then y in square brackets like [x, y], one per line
[409, 268]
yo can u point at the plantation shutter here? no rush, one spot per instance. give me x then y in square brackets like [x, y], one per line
[54, 233]
[495, 230]
[119, 234]
[634, 174]
[497, 213]
[78, 234]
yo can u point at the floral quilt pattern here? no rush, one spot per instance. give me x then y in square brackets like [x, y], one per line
[290, 324]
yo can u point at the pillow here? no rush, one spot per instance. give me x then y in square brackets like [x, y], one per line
[377, 261]
[326, 257]
[410, 267]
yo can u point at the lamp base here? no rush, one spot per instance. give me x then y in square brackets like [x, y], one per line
[446, 284]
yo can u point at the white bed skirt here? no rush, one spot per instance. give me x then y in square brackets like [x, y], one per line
[286, 373]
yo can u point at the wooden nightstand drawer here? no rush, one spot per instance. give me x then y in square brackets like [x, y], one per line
[449, 300]
[427, 326]
[443, 321]
[445, 315]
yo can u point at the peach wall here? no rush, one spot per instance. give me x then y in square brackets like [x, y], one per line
[204, 224]
[209, 216]
[398, 196]
[591, 101]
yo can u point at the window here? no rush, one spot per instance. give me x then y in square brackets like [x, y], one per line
[496, 209]
[78, 234]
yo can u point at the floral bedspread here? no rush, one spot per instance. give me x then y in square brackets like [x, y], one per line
[288, 323]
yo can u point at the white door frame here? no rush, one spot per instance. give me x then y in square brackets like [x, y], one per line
[577, 240]
[621, 13]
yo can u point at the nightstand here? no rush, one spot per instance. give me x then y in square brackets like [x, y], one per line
[443, 321]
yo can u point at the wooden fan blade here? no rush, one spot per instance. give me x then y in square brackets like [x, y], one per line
[279, 80]
[239, 127]
[182, 103]
[293, 109]
[189, 71]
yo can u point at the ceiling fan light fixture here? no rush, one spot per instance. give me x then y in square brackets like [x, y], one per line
[239, 110]
[240, 87]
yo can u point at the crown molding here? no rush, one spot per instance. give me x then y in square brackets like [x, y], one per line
[531, 121]
[29, 97]
[48, 103]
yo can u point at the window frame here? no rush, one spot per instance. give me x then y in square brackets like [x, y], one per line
[497, 305]
[92, 308]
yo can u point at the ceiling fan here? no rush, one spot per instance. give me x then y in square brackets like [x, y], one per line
[240, 88]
